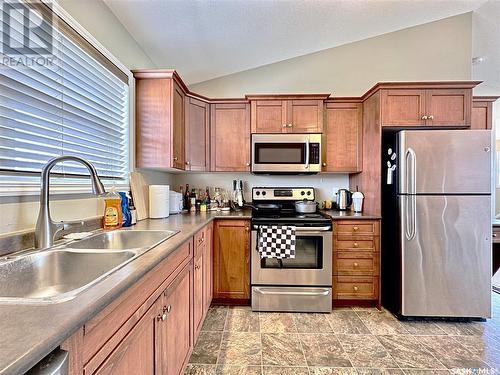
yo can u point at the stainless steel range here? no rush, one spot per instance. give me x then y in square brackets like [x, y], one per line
[303, 283]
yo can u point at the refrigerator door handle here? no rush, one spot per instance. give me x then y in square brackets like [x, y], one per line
[411, 180]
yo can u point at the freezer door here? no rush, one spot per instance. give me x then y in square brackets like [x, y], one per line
[445, 161]
[446, 256]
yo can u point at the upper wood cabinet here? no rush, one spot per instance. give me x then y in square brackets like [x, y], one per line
[232, 259]
[287, 113]
[160, 120]
[427, 107]
[197, 135]
[230, 137]
[342, 146]
[482, 112]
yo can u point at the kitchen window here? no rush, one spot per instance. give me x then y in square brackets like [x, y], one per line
[59, 95]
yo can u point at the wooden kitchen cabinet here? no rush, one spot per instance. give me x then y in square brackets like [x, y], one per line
[342, 146]
[287, 113]
[482, 112]
[203, 266]
[232, 260]
[230, 137]
[160, 119]
[197, 135]
[427, 107]
[356, 262]
[176, 335]
[140, 350]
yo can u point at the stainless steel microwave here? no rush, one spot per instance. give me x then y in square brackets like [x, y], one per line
[286, 153]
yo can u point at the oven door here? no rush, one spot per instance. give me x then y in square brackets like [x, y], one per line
[312, 265]
[286, 153]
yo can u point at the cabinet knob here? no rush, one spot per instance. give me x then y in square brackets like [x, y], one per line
[356, 244]
[176, 158]
[494, 234]
[355, 264]
[430, 117]
[162, 317]
[187, 163]
[247, 228]
[355, 228]
[290, 125]
[248, 164]
[168, 308]
[355, 288]
[197, 267]
[324, 164]
[424, 117]
[284, 125]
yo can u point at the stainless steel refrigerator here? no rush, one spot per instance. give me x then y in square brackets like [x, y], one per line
[436, 223]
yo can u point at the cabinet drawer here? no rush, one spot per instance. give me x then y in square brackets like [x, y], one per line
[355, 287]
[346, 264]
[365, 227]
[348, 244]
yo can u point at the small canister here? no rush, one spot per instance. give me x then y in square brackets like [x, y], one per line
[357, 201]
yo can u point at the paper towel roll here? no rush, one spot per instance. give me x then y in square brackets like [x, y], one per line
[158, 201]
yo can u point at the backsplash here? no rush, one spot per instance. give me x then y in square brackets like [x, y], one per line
[325, 184]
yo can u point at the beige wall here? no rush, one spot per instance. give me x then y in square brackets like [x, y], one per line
[486, 44]
[439, 50]
[98, 20]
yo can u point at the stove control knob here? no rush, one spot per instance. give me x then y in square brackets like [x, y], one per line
[263, 193]
[309, 192]
[257, 192]
[302, 192]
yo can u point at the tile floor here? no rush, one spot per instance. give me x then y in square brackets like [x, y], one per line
[235, 340]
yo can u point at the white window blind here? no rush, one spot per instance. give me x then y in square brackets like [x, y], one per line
[72, 101]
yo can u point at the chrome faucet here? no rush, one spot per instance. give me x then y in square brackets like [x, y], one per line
[46, 229]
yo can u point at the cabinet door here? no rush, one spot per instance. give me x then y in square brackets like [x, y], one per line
[268, 116]
[449, 107]
[305, 116]
[198, 292]
[178, 128]
[230, 137]
[343, 134]
[208, 265]
[481, 117]
[197, 135]
[176, 334]
[403, 107]
[232, 259]
[139, 351]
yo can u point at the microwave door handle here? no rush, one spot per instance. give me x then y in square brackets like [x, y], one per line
[307, 152]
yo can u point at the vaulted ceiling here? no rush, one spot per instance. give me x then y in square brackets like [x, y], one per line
[205, 39]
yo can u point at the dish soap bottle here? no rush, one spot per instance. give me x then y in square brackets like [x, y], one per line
[112, 212]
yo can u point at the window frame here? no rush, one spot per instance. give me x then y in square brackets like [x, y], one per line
[16, 188]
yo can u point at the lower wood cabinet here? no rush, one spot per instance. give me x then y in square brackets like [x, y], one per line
[138, 353]
[203, 274]
[356, 261]
[232, 260]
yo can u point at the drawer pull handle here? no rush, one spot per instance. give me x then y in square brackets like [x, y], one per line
[356, 244]
[355, 264]
[355, 288]
[355, 228]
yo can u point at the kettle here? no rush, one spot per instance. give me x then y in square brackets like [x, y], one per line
[344, 199]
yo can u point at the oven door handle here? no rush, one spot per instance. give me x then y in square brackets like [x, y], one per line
[326, 228]
[291, 292]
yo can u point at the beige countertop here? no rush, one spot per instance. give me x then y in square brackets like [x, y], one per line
[30, 331]
[339, 215]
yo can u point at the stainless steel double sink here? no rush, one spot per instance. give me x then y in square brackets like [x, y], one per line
[58, 274]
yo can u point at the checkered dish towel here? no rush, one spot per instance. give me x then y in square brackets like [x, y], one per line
[276, 241]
